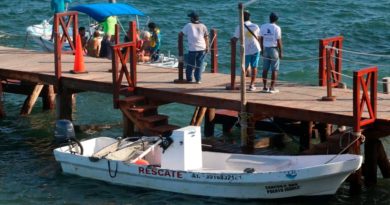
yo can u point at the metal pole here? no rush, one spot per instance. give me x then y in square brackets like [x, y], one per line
[243, 114]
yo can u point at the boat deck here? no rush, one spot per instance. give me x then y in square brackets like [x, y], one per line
[294, 101]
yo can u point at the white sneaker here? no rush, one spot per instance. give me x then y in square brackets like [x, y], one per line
[252, 88]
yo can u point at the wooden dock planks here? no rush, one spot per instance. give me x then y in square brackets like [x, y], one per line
[294, 101]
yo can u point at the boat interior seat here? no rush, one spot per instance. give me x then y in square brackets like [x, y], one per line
[259, 164]
[125, 154]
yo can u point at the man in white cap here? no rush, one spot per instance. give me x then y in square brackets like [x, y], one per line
[271, 45]
[198, 44]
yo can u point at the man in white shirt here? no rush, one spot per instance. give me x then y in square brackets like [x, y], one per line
[252, 47]
[271, 45]
[198, 44]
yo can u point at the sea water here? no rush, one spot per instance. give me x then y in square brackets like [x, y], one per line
[28, 172]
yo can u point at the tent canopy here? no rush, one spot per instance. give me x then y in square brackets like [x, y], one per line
[101, 11]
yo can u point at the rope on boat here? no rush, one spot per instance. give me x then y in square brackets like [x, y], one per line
[359, 136]
[109, 169]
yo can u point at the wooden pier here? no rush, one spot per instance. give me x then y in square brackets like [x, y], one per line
[140, 89]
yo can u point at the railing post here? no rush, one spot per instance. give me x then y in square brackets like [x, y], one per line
[117, 34]
[133, 52]
[180, 47]
[120, 71]
[57, 51]
[329, 96]
[336, 42]
[361, 99]
[214, 51]
[233, 50]
[366, 99]
[65, 24]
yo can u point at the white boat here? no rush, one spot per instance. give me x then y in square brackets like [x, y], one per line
[184, 168]
[41, 35]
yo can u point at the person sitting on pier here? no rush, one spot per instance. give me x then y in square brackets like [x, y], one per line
[93, 47]
[109, 31]
[155, 41]
[198, 46]
[143, 52]
[271, 45]
[84, 38]
[252, 47]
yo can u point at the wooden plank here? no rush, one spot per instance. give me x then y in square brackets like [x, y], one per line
[31, 99]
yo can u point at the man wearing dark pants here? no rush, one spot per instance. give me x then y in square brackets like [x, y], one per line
[271, 45]
[198, 44]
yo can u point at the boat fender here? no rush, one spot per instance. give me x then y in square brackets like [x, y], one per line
[166, 142]
[249, 170]
[141, 162]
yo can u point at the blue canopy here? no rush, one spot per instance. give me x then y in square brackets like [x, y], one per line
[101, 11]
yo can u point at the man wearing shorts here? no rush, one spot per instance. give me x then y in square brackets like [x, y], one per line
[271, 44]
[252, 47]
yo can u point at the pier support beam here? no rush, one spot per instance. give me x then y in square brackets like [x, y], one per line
[370, 162]
[324, 131]
[64, 104]
[48, 97]
[209, 122]
[355, 179]
[306, 135]
[2, 112]
[374, 156]
[31, 99]
[198, 116]
[128, 126]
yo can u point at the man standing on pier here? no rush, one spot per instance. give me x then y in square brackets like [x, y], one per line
[252, 47]
[271, 45]
[198, 46]
[59, 6]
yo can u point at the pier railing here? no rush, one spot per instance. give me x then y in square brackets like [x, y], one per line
[334, 45]
[364, 96]
[124, 53]
[62, 23]
[233, 53]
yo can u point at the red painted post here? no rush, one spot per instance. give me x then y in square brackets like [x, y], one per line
[363, 81]
[336, 42]
[180, 47]
[117, 34]
[329, 96]
[367, 99]
[57, 51]
[133, 52]
[214, 51]
[233, 49]
[119, 64]
[115, 77]
[64, 20]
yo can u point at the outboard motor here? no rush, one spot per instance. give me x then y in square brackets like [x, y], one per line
[64, 134]
[64, 130]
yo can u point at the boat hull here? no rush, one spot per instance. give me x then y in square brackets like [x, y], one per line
[323, 179]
